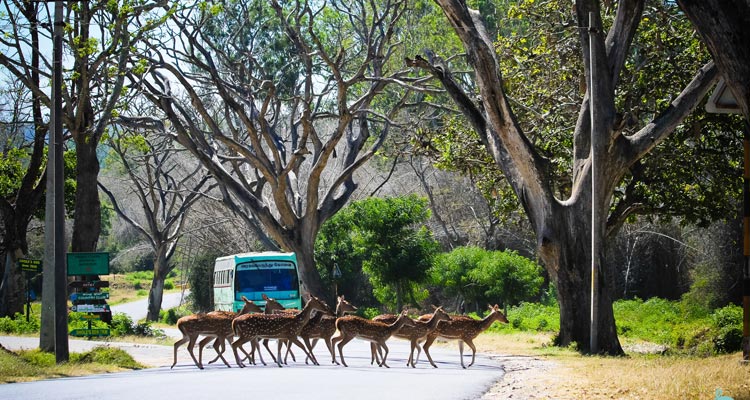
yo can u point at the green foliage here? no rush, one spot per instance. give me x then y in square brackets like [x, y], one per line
[171, 316]
[38, 358]
[121, 325]
[727, 323]
[380, 237]
[106, 355]
[18, 325]
[369, 312]
[530, 317]
[12, 365]
[479, 276]
[200, 279]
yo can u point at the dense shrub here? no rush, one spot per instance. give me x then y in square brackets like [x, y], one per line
[727, 332]
[18, 325]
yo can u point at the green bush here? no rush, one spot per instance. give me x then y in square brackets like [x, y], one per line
[533, 317]
[171, 316]
[107, 355]
[168, 284]
[727, 324]
[38, 358]
[18, 325]
[121, 325]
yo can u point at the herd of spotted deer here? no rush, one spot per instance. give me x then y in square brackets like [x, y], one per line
[316, 321]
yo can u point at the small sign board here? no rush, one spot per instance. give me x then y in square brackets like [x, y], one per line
[722, 100]
[89, 296]
[94, 308]
[89, 317]
[88, 284]
[88, 263]
[90, 332]
[29, 265]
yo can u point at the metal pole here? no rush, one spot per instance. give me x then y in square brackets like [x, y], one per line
[746, 247]
[593, 87]
[56, 147]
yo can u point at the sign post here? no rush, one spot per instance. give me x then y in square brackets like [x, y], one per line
[30, 268]
[87, 297]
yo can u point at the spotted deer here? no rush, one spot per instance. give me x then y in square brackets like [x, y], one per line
[214, 325]
[323, 326]
[413, 334]
[465, 329]
[251, 327]
[274, 307]
[351, 326]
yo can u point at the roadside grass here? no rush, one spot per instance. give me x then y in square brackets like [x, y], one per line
[33, 365]
[636, 376]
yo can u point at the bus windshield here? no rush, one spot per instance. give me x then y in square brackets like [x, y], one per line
[266, 276]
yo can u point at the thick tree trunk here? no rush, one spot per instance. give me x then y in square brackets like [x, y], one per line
[311, 282]
[566, 253]
[87, 223]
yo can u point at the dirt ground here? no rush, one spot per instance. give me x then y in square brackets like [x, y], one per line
[527, 377]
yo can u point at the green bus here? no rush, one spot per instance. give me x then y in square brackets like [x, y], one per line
[254, 274]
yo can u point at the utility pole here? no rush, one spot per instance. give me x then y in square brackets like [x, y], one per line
[54, 300]
[595, 149]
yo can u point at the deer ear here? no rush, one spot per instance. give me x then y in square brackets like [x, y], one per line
[245, 299]
[264, 296]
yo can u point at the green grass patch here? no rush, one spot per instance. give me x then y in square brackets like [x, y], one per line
[28, 365]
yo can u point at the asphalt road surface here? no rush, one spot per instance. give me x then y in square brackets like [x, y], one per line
[360, 381]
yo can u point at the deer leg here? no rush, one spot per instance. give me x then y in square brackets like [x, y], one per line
[202, 344]
[191, 344]
[219, 346]
[330, 348]
[299, 344]
[377, 351]
[385, 347]
[265, 343]
[256, 347]
[341, 344]
[279, 345]
[289, 351]
[426, 347]
[473, 350]
[411, 355]
[177, 344]
[419, 351]
[237, 344]
[461, 352]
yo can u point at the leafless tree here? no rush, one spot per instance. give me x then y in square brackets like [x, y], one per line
[282, 126]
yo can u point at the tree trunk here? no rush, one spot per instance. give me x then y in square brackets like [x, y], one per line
[155, 295]
[311, 282]
[87, 223]
[12, 286]
[566, 252]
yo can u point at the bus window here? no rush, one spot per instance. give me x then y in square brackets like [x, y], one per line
[267, 280]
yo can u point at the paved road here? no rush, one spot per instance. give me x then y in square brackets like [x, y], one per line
[361, 381]
[138, 309]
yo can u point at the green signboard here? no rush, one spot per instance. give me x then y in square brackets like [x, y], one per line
[94, 308]
[90, 332]
[29, 265]
[87, 317]
[88, 264]
[89, 296]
